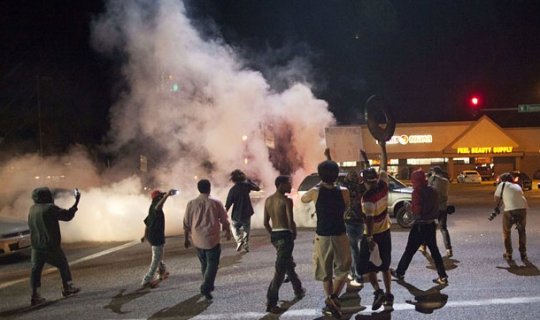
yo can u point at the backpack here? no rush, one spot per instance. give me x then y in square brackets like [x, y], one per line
[430, 203]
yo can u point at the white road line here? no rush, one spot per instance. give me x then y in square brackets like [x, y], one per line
[303, 313]
[83, 259]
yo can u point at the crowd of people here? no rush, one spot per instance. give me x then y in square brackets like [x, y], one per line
[352, 242]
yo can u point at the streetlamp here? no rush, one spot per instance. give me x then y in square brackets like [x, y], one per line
[40, 132]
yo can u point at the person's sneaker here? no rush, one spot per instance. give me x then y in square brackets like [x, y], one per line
[355, 283]
[378, 299]
[333, 306]
[69, 290]
[389, 300]
[350, 277]
[150, 284]
[441, 280]
[507, 256]
[449, 253]
[163, 275]
[398, 277]
[422, 248]
[300, 293]
[275, 309]
[37, 300]
[239, 246]
[207, 295]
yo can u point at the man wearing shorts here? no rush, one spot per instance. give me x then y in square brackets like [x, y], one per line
[331, 251]
[377, 232]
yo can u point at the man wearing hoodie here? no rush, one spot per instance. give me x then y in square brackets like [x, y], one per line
[46, 241]
[425, 208]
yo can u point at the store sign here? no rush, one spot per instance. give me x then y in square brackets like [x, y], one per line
[412, 139]
[483, 150]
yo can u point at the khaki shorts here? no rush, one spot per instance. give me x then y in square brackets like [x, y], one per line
[331, 257]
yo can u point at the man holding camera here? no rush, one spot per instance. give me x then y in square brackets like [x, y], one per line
[514, 213]
[46, 240]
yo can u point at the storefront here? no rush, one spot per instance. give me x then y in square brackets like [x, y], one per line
[455, 146]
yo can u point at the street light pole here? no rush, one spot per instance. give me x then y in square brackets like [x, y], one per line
[40, 133]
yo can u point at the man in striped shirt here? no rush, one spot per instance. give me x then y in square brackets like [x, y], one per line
[377, 233]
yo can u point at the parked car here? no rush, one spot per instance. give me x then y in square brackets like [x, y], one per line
[469, 176]
[14, 236]
[485, 172]
[399, 194]
[520, 178]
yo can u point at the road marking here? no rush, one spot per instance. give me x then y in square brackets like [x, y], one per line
[303, 313]
[83, 259]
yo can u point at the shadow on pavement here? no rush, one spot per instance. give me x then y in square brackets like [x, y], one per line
[185, 309]
[425, 301]
[449, 263]
[285, 305]
[121, 299]
[229, 261]
[428, 300]
[380, 315]
[528, 269]
[14, 313]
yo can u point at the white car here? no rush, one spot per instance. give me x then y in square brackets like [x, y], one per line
[14, 236]
[469, 176]
[399, 194]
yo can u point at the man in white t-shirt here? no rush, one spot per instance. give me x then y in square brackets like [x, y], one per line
[514, 212]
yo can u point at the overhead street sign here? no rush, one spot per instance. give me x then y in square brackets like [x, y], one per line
[529, 107]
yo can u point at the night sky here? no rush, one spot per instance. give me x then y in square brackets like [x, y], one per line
[426, 58]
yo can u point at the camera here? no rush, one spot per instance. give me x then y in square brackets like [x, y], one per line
[495, 213]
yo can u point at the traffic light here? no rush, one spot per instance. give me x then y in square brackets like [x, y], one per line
[474, 101]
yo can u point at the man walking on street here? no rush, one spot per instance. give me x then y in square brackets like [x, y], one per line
[514, 213]
[438, 182]
[331, 251]
[242, 211]
[377, 234]
[279, 210]
[46, 241]
[425, 208]
[154, 232]
[203, 220]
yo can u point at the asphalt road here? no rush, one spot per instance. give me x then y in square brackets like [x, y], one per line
[482, 284]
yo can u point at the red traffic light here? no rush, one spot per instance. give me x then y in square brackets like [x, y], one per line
[474, 101]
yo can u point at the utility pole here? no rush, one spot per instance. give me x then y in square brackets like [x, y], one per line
[40, 133]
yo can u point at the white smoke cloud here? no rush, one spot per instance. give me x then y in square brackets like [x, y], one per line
[193, 132]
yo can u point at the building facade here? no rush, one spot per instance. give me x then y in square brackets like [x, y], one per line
[454, 146]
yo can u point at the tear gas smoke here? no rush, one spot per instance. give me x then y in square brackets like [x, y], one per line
[195, 110]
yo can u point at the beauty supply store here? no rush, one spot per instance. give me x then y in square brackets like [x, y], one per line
[454, 146]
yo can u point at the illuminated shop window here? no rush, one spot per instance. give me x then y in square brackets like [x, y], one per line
[462, 160]
[347, 164]
[425, 161]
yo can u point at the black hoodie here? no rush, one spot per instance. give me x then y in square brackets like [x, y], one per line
[43, 220]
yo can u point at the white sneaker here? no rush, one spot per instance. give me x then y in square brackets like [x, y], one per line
[349, 276]
[355, 283]
[239, 246]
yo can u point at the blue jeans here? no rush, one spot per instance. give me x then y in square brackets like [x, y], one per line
[209, 259]
[354, 233]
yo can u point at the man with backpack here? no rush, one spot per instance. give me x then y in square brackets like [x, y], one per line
[425, 207]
